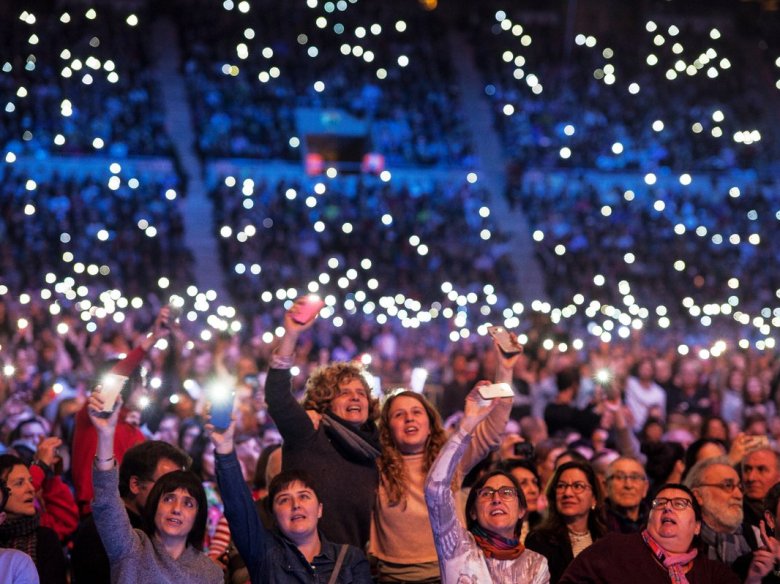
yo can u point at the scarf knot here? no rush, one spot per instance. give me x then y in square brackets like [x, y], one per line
[496, 546]
[675, 564]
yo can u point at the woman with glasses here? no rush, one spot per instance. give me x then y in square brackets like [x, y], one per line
[412, 435]
[575, 517]
[487, 548]
[665, 551]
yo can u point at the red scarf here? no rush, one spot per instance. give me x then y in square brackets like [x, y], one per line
[496, 546]
[675, 564]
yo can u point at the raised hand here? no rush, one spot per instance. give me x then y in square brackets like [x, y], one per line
[47, 450]
[223, 441]
[103, 424]
[477, 409]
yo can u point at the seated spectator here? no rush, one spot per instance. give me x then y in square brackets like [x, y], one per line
[297, 551]
[760, 470]
[525, 473]
[22, 530]
[141, 467]
[127, 433]
[760, 566]
[17, 566]
[718, 490]
[562, 415]
[411, 434]
[487, 548]
[626, 491]
[644, 397]
[168, 548]
[574, 520]
[665, 550]
[341, 451]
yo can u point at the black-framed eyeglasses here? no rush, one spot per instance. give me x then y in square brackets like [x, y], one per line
[677, 503]
[504, 493]
[577, 487]
[726, 486]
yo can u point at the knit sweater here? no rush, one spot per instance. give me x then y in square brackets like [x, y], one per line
[402, 533]
[134, 556]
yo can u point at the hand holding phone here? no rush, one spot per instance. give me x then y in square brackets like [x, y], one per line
[504, 340]
[109, 390]
[306, 309]
[222, 411]
[495, 390]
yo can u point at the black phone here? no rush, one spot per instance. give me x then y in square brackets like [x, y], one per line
[524, 450]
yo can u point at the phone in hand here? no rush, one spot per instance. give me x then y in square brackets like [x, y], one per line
[495, 390]
[524, 450]
[307, 309]
[109, 390]
[222, 410]
[504, 340]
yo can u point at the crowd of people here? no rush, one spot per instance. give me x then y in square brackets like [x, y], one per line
[98, 228]
[254, 443]
[679, 241]
[411, 109]
[296, 231]
[677, 455]
[608, 100]
[78, 82]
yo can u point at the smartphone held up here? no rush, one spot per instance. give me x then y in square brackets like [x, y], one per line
[109, 390]
[505, 341]
[307, 308]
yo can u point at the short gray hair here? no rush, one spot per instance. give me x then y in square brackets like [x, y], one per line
[694, 477]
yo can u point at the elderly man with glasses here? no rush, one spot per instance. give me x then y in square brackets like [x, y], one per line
[719, 491]
[626, 490]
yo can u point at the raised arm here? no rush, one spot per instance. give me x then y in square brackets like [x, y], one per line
[110, 514]
[448, 533]
[290, 417]
[488, 433]
[249, 534]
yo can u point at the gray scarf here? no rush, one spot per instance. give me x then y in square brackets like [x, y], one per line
[724, 547]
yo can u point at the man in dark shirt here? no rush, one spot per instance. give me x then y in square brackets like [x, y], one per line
[626, 490]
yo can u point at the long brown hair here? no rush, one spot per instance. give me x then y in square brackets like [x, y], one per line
[390, 462]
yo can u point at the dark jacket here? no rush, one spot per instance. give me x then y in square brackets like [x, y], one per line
[88, 558]
[555, 548]
[346, 481]
[619, 522]
[270, 557]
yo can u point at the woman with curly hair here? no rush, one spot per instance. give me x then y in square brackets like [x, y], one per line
[412, 435]
[575, 517]
[332, 435]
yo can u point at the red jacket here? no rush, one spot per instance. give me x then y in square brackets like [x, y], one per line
[58, 508]
[85, 438]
